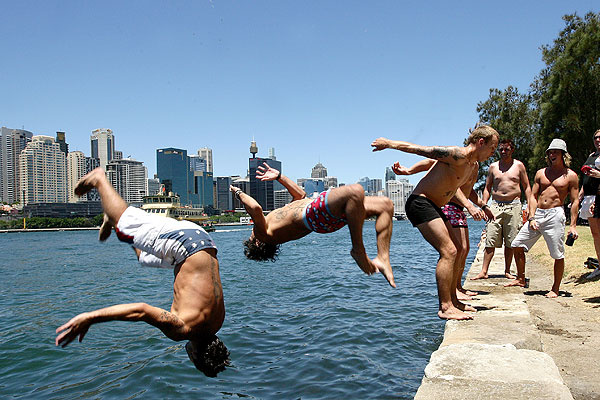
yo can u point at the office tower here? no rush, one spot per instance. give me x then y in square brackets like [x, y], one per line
[173, 170]
[91, 164]
[198, 163]
[43, 172]
[282, 197]
[242, 183]
[76, 168]
[374, 186]
[319, 171]
[272, 153]
[389, 174]
[364, 182]
[313, 185]
[12, 142]
[331, 182]
[398, 191]
[206, 154]
[153, 186]
[129, 178]
[202, 190]
[60, 139]
[103, 145]
[224, 195]
[118, 155]
[262, 191]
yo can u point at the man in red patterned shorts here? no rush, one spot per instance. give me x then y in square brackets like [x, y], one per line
[330, 211]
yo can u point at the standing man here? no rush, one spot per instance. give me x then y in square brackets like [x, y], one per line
[547, 215]
[454, 168]
[505, 179]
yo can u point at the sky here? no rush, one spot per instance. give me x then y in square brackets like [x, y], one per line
[315, 80]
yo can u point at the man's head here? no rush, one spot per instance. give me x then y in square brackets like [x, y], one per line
[506, 148]
[256, 250]
[485, 138]
[209, 356]
[558, 149]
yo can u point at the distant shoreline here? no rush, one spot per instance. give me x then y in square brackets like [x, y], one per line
[93, 228]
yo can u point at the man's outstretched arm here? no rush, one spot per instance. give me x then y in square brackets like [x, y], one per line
[420, 166]
[170, 324]
[447, 154]
[252, 207]
[267, 173]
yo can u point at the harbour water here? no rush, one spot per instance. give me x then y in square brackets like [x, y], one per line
[310, 325]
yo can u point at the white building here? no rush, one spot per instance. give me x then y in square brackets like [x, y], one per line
[398, 191]
[43, 172]
[206, 153]
[129, 178]
[12, 142]
[281, 198]
[76, 168]
[103, 145]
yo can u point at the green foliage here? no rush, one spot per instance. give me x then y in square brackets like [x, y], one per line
[46, 222]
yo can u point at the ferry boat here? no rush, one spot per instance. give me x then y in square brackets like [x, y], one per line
[169, 206]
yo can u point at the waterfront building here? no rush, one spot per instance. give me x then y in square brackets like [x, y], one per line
[118, 155]
[282, 197]
[61, 140]
[198, 163]
[398, 191]
[153, 186]
[12, 142]
[173, 170]
[76, 168]
[318, 171]
[129, 178]
[224, 195]
[103, 145]
[91, 164]
[389, 174]
[244, 185]
[262, 191]
[207, 155]
[43, 172]
[330, 182]
[202, 190]
[313, 185]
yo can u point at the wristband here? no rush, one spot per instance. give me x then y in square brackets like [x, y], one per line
[238, 193]
[483, 207]
[278, 176]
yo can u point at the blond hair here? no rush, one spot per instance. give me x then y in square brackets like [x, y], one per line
[484, 132]
[566, 157]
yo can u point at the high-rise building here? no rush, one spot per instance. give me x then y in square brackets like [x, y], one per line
[91, 164]
[12, 142]
[153, 186]
[242, 183]
[331, 182]
[374, 186]
[43, 172]
[118, 155]
[60, 139]
[282, 197]
[398, 191]
[198, 163]
[103, 145]
[224, 195]
[202, 189]
[173, 170]
[207, 155]
[129, 178]
[263, 191]
[272, 153]
[76, 168]
[318, 171]
[389, 174]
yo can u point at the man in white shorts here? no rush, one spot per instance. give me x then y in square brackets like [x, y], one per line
[546, 213]
[197, 311]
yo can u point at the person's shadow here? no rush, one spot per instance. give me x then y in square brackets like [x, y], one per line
[561, 293]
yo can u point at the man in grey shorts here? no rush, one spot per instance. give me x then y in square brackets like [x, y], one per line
[546, 213]
[505, 179]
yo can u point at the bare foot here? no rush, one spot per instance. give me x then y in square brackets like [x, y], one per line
[454, 313]
[363, 262]
[516, 282]
[462, 296]
[480, 275]
[469, 292]
[385, 269]
[508, 275]
[89, 181]
[551, 295]
[105, 229]
[465, 307]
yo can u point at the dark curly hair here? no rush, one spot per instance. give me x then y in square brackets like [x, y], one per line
[259, 251]
[210, 356]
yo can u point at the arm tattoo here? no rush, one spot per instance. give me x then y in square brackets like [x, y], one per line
[439, 152]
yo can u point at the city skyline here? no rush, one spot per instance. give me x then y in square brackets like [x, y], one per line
[317, 81]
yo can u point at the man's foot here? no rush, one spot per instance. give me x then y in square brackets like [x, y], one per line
[508, 275]
[516, 282]
[385, 269]
[363, 262]
[464, 307]
[89, 181]
[469, 292]
[551, 294]
[105, 229]
[480, 275]
[454, 313]
[463, 296]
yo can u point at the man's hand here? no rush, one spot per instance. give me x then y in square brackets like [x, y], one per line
[380, 144]
[476, 212]
[77, 326]
[594, 173]
[573, 232]
[400, 169]
[534, 225]
[267, 173]
[489, 215]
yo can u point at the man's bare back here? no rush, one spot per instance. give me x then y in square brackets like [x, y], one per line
[285, 223]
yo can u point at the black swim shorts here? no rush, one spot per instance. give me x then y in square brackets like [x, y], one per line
[420, 209]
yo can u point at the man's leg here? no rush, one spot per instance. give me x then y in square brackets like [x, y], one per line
[559, 269]
[595, 230]
[382, 208]
[519, 253]
[112, 203]
[488, 254]
[462, 249]
[508, 257]
[437, 234]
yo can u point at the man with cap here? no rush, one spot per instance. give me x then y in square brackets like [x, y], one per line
[546, 213]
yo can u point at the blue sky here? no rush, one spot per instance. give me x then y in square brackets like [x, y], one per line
[316, 80]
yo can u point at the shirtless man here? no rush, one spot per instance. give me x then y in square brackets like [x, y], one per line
[504, 181]
[546, 213]
[330, 211]
[454, 168]
[198, 310]
[454, 212]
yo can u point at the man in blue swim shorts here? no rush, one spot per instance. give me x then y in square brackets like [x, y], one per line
[197, 311]
[330, 211]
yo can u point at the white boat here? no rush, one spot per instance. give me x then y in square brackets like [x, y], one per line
[170, 206]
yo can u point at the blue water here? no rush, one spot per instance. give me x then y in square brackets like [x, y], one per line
[309, 326]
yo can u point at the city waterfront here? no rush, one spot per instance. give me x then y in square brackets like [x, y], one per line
[310, 325]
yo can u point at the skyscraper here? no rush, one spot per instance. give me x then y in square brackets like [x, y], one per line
[224, 197]
[262, 191]
[198, 163]
[129, 178]
[12, 142]
[43, 172]
[318, 171]
[60, 139]
[206, 154]
[389, 174]
[173, 170]
[76, 168]
[103, 145]
[398, 191]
